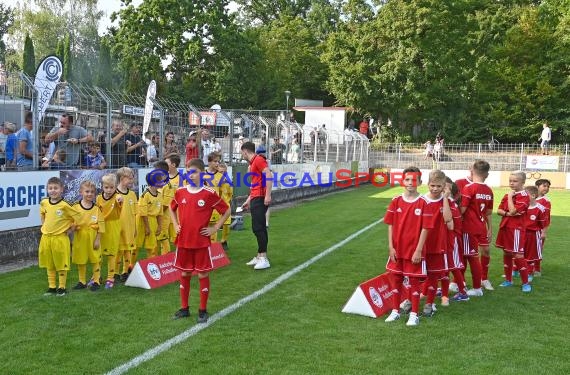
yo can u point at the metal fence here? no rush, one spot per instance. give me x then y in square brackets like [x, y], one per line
[501, 156]
[105, 113]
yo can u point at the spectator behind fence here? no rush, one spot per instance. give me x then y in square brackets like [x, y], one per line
[170, 146]
[3, 138]
[11, 145]
[118, 145]
[25, 159]
[69, 137]
[135, 147]
[277, 151]
[192, 149]
[57, 162]
[152, 150]
[546, 137]
[94, 159]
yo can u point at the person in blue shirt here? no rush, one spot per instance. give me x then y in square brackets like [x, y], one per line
[25, 159]
[11, 145]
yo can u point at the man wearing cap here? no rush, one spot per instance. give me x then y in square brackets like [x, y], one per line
[258, 201]
[277, 151]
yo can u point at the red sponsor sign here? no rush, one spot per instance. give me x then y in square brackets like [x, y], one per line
[158, 271]
[372, 298]
[205, 119]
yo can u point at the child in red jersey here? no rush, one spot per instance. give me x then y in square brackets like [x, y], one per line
[511, 236]
[408, 227]
[534, 222]
[476, 208]
[436, 242]
[543, 186]
[454, 248]
[190, 212]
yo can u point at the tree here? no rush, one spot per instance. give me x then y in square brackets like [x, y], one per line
[29, 57]
[67, 59]
[266, 11]
[6, 20]
[60, 50]
[104, 77]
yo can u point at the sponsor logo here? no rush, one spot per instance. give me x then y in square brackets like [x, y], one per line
[485, 197]
[201, 203]
[532, 217]
[153, 270]
[375, 297]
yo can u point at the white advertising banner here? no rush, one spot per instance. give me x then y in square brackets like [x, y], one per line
[20, 196]
[542, 162]
[48, 75]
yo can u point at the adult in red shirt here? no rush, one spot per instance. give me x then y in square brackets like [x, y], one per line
[190, 212]
[192, 149]
[258, 201]
[363, 128]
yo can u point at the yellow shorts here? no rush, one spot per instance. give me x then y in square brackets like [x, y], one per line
[83, 251]
[148, 242]
[111, 238]
[54, 252]
[167, 232]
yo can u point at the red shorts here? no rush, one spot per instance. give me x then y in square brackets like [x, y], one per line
[471, 243]
[190, 260]
[407, 268]
[511, 240]
[533, 246]
[453, 257]
[436, 263]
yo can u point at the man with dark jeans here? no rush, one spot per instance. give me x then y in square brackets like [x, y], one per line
[258, 201]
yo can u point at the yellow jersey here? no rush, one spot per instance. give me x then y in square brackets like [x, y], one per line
[150, 204]
[56, 217]
[110, 208]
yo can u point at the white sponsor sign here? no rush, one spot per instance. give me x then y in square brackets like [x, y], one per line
[20, 196]
[139, 111]
[149, 105]
[542, 162]
[48, 75]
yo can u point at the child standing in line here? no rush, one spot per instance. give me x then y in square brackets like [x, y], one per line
[148, 220]
[110, 203]
[86, 239]
[436, 242]
[543, 186]
[57, 218]
[511, 236]
[190, 212]
[226, 193]
[535, 219]
[127, 242]
[170, 165]
[408, 226]
[212, 179]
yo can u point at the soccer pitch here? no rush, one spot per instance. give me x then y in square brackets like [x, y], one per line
[296, 327]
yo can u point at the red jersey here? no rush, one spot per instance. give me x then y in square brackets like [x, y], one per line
[545, 202]
[521, 201]
[256, 167]
[194, 212]
[407, 218]
[436, 242]
[535, 217]
[457, 231]
[363, 128]
[462, 182]
[477, 198]
[192, 152]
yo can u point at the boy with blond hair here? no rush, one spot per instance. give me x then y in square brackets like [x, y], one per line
[87, 236]
[57, 218]
[512, 230]
[127, 242]
[111, 204]
[170, 166]
[148, 220]
[408, 227]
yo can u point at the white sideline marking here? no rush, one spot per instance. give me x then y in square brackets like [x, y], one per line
[151, 353]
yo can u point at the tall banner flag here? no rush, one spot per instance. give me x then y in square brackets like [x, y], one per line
[47, 77]
[149, 105]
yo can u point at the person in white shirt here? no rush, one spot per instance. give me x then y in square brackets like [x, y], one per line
[546, 137]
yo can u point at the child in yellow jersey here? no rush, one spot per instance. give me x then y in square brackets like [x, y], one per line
[86, 240]
[226, 193]
[110, 203]
[167, 235]
[148, 219]
[57, 218]
[127, 242]
[211, 178]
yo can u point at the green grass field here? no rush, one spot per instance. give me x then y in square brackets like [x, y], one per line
[296, 328]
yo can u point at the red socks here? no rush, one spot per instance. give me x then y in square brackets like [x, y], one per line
[184, 291]
[485, 260]
[508, 266]
[204, 291]
[396, 284]
[475, 266]
[431, 287]
[415, 294]
[445, 285]
[523, 269]
[459, 280]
